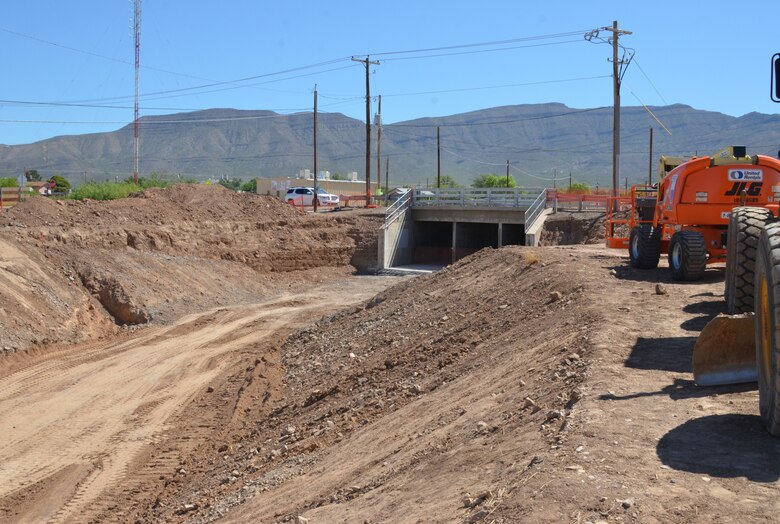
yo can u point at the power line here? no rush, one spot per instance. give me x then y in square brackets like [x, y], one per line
[479, 44]
[481, 51]
[651, 82]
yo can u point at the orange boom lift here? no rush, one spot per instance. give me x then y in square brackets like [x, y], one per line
[686, 215]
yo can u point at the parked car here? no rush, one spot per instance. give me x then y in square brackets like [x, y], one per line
[306, 195]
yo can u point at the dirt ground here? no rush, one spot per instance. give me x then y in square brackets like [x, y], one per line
[547, 384]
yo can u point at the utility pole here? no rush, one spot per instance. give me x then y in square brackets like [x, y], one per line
[650, 161]
[314, 200]
[367, 63]
[378, 124]
[555, 181]
[85, 177]
[616, 63]
[136, 141]
[438, 157]
[507, 174]
[570, 181]
[387, 174]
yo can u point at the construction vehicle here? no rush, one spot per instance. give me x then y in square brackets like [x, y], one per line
[722, 208]
[686, 215]
[745, 346]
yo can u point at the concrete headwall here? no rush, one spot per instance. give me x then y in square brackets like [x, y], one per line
[395, 242]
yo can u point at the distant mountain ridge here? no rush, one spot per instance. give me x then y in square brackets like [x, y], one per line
[541, 141]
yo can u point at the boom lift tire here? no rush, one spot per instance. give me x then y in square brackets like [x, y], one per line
[645, 246]
[745, 227]
[767, 326]
[687, 255]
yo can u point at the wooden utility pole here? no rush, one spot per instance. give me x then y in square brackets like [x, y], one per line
[387, 175]
[438, 157]
[367, 63]
[507, 174]
[650, 161]
[378, 123]
[136, 139]
[569, 181]
[616, 63]
[314, 200]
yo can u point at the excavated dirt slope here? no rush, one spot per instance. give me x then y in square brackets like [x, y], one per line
[517, 385]
[71, 271]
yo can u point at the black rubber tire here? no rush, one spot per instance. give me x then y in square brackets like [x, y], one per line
[745, 227]
[644, 246]
[687, 256]
[767, 295]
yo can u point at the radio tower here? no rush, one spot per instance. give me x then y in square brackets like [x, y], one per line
[137, 24]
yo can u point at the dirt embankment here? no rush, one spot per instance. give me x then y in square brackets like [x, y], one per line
[427, 377]
[565, 228]
[73, 270]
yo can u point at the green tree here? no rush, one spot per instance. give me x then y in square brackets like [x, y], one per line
[61, 184]
[448, 181]
[337, 176]
[8, 182]
[231, 183]
[493, 180]
[32, 175]
[250, 187]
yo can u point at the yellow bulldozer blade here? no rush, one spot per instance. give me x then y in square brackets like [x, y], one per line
[725, 352]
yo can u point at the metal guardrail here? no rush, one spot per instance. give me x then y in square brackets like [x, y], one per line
[472, 197]
[536, 208]
[397, 209]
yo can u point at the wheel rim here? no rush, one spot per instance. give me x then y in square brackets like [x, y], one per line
[676, 256]
[635, 247]
[766, 331]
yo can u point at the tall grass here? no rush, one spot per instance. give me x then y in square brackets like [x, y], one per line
[113, 190]
[104, 190]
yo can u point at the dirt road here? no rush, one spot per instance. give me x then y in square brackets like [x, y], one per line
[76, 423]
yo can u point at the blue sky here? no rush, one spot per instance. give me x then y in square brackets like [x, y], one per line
[715, 57]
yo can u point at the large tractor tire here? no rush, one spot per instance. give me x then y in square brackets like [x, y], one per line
[745, 227]
[767, 325]
[687, 255]
[644, 246]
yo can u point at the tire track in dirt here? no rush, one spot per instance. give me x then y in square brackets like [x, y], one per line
[104, 409]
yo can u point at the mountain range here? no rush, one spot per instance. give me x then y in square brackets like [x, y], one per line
[540, 141]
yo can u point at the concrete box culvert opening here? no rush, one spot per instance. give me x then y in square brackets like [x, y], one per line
[470, 237]
[432, 243]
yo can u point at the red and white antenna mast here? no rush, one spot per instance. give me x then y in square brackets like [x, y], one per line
[137, 24]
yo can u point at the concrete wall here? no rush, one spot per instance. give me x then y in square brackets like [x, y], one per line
[533, 233]
[395, 242]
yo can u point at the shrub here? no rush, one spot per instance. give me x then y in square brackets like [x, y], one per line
[153, 180]
[104, 190]
[8, 182]
[493, 180]
[61, 184]
[250, 187]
